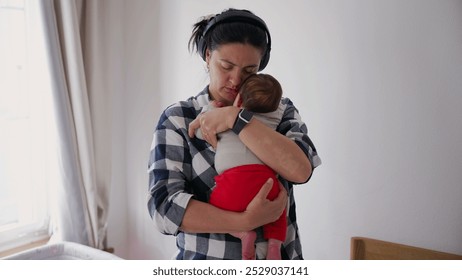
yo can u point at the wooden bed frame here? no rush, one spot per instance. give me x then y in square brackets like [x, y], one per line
[371, 249]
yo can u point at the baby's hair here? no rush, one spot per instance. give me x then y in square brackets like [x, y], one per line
[261, 93]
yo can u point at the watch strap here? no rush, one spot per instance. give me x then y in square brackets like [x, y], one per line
[243, 118]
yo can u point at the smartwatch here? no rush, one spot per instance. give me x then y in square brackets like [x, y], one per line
[243, 118]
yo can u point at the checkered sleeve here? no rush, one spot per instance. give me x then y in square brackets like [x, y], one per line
[169, 167]
[293, 127]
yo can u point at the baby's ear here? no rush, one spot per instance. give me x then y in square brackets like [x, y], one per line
[238, 101]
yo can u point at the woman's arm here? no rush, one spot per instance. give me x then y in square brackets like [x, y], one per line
[202, 217]
[277, 151]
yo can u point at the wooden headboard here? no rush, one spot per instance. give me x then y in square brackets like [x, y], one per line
[371, 249]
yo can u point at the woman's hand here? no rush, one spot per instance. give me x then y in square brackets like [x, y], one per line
[213, 122]
[261, 210]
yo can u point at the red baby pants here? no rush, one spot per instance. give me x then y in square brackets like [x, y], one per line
[237, 186]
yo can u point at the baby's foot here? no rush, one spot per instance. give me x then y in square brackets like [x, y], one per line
[274, 249]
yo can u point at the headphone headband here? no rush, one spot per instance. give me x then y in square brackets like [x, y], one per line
[236, 16]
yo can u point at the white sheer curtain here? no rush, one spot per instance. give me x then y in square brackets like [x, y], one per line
[75, 41]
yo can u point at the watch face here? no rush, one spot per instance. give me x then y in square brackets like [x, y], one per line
[245, 115]
[242, 119]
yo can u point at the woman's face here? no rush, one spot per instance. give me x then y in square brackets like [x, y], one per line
[229, 65]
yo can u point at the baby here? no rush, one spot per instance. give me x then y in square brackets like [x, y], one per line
[241, 173]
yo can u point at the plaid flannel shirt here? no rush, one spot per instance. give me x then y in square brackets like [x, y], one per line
[181, 168]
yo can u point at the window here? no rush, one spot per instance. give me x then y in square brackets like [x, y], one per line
[27, 151]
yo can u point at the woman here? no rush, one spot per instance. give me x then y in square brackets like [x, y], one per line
[234, 45]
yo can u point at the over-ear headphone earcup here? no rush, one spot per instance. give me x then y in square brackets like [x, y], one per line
[236, 16]
[202, 47]
[264, 60]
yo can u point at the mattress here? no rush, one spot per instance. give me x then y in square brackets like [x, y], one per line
[63, 251]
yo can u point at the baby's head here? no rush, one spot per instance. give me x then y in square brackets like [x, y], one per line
[261, 93]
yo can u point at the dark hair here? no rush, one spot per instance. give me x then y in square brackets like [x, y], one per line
[229, 31]
[261, 93]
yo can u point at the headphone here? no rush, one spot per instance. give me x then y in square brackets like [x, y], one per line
[236, 16]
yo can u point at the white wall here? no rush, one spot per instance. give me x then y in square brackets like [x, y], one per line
[379, 85]
[130, 229]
